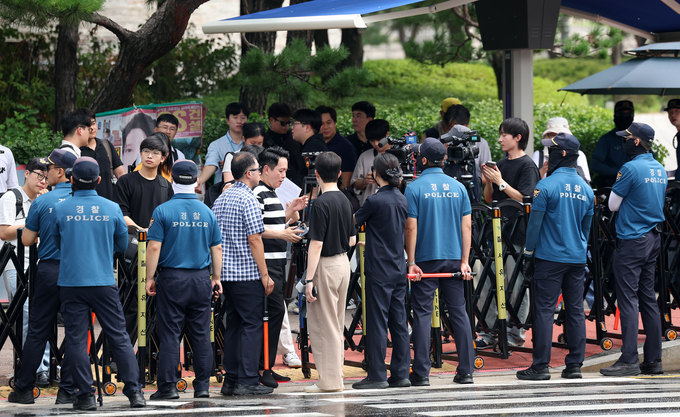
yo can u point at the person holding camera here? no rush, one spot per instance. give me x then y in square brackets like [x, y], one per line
[184, 239]
[331, 234]
[438, 233]
[384, 214]
[556, 247]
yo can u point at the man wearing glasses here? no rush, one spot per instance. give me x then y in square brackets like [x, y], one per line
[245, 278]
[12, 217]
[279, 135]
[76, 128]
[305, 129]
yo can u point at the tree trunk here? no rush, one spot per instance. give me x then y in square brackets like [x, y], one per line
[321, 38]
[158, 36]
[305, 35]
[65, 73]
[617, 51]
[266, 41]
[351, 38]
[496, 60]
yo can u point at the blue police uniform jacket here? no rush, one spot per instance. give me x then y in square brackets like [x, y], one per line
[439, 203]
[642, 185]
[41, 219]
[188, 229]
[89, 228]
[566, 199]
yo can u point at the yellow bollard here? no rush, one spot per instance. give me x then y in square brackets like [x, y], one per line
[500, 273]
[141, 290]
[362, 238]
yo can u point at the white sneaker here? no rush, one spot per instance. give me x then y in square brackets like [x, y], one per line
[293, 308]
[291, 360]
[351, 305]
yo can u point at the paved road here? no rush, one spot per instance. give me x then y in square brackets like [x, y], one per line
[490, 396]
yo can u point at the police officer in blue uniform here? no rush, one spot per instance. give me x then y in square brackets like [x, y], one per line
[89, 228]
[438, 233]
[183, 239]
[638, 195]
[45, 302]
[385, 216]
[556, 247]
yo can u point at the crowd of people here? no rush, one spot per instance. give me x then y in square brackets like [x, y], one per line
[236, 244]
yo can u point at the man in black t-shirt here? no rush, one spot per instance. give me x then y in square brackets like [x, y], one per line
[305, 131]
[279, 135]
[362, 113]
[331, 234]
[515, 176]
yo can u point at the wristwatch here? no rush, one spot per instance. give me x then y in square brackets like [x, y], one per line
[410, 264]
[503, 186]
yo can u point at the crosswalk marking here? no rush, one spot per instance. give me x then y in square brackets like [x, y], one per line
[561, 408]
[146, 412]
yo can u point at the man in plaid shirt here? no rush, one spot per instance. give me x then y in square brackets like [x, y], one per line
[244, 278]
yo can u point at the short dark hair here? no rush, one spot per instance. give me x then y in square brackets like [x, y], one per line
[167, 117]
[515, 126]
[271, 156]
[308, 117]
[79, 185]
[250, 130]
[71, 121]
[87, 112]
[255, 150]
[328, 166]
[241, 164]
[155, 142]
[365, 107]
[279, 110]
[35, 164]
[377, 129]
[234, 109]
[330, 110]
[458, 114]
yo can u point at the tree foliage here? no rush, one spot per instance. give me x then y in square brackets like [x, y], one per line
[40, 13]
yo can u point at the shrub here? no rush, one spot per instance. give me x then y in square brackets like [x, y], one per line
[26, 137]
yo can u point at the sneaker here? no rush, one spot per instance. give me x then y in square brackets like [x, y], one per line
[170, 394]
[21, 396]
[482, 343]
[533, 374]
[314, 389]
[369, 384]
[651, 368]
[292, 360]
[243, 389]
[351, 305]
[42, 379]
[419, 381]
[267, 379]
[85, 402]
[621, 369]
[227, 388]
[572, 372]
[293, 307]
[137, 399]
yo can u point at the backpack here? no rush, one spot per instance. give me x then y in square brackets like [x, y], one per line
[20, 201]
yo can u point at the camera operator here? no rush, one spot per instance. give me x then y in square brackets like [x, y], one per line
[305, 131]
[442, 126]
[438, 233]
[362, 180]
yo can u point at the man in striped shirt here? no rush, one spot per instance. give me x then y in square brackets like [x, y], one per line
[274, 163]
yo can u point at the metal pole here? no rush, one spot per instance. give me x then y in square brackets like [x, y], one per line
[500, 279]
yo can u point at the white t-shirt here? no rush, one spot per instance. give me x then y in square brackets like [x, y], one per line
[582, 161]
[227, 163]
[70, 147]
[8, 217]
[8, 170]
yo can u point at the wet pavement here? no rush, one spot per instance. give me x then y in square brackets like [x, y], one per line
[491, 395]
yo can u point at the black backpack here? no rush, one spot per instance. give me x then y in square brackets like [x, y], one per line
[20, 201]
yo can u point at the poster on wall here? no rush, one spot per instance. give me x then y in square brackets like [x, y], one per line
[127, 128]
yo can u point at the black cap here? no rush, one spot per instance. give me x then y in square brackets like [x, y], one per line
[432, 149]
[639, 130]
[623, 105]
[85, 169]
[673, 104]
[562, 141]
[60, 157]
[184, 172]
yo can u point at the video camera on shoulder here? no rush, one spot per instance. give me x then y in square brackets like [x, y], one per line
[403, 148]
[462, 144]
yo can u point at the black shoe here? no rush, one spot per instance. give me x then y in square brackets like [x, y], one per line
[398, 383]
[572, 372]
[21, 396]
[64, 397]
[533, 374]
[280, 378]
[170, 394]
[42, 379]
[137, 399]
[651, 368]
[463, 379]
[227, 388]
[243, 389]
[369, 384]
[202, 394]
[419, 381]
[622, 369]
[85, 403]
[267, 379]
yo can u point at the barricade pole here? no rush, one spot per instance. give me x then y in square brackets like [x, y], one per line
[362, 238]
[500, 279]
[141, 306]
[436, 332]
[596, 256]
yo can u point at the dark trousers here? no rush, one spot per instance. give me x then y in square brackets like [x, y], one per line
[105, 302]
[451, 290]
[634, 262]
[184, 295]
[276, 308]
[550, 279]
[43, 311]
[386, 309]
[244, 332]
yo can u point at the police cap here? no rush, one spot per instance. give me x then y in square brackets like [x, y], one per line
[85, 169]
[60, 157]
[432, 149]
[641, 131]
[184, 172]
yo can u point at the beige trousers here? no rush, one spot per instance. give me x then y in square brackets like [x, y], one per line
[326, 319]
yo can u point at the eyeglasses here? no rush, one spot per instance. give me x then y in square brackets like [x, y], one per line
[40, 176]
[255, 169]
[154, 152]
[282, 122]
[298, 123]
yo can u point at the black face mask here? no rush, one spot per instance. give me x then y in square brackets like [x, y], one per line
[631, 150]
[556, 160]
[623, 121]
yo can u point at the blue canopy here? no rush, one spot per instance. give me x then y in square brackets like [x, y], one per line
[328, 8]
